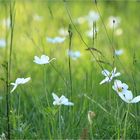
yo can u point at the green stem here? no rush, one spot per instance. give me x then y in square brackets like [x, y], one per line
[60, 135]
[125, 123]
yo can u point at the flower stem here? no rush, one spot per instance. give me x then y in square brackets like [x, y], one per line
[125, 123]
[60, 135]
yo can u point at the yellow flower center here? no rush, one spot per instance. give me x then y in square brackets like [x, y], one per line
[120, 89]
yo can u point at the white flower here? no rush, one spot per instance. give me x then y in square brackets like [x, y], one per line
[19, 81]
[2, 43]
[74, 54]
[91, 33]
[42, 60]
[92, 17]
[61, 101]
[37, 17]
[119, 52]
[114, 22]
[123, 92]
[55, 39]
[118, 31]
[81, 20]
[63, 32]
[109, 75]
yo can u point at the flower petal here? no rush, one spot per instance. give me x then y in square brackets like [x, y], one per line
[123, 97]
[136, 99]
[105, 72]
[55, 97]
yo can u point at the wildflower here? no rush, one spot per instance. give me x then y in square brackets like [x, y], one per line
[55, 40]
[92, 17]
[91, 115]
[63, 32]
[118, 31]
[19, 81]
[109, 75]
[119, 52]
[91, 33]
[61, 101]
[37, 17]
[42, 60]
[2, 43]
[114, 22]
[123, 92]
[74, 54]
[81, 20]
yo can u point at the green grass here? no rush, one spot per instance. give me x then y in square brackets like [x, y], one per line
[31, 115]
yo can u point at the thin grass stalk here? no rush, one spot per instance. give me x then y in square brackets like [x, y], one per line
[125, 123]
[8, 74]
[70, 73]
[60, 133]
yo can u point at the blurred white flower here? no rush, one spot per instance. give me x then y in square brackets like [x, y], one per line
[92, 17]
[63, 32]
[114, 22]
[2, 43]
[37, 17]
[81, 20]
[19, 81]
[74, 54]
[42, 60]
[119, 52]
[91, 33]
[55, 39]
[123, 92]
[118, 31]
[61, 101]
[109, 75]
[5, 22]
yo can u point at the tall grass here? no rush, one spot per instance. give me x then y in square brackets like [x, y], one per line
[30, 113]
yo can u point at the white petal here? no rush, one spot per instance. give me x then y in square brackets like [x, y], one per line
[105, 72]
[123, 98]
[104, 81]
[26, 80]
[117, 74]
[136, 99]
[125, 86]
[128, 95]
[69, 103]
[63, 99]
[55, 97]
[13, 88]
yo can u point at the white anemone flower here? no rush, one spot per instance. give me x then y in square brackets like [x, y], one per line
[61, 101]
[42, 60]
[114, 22]
[74, 54]
[119, 52]
[55, 39]
[109, 75]
[92, 17]
[19, 81]
[63, 32]
[91, 33]
[2, 43]
[123, 92]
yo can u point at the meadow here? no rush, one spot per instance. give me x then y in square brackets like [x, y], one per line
[69, 69]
